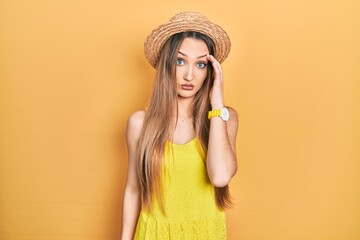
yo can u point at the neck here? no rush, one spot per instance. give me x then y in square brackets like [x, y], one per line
[185, 107]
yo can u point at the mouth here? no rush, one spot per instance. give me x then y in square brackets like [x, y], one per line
[187, 87]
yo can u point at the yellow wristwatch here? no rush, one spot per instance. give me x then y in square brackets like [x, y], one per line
[223, 113]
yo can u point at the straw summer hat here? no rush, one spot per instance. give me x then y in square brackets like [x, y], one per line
[184, 22]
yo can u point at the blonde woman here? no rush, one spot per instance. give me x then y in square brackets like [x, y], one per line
[181, 150]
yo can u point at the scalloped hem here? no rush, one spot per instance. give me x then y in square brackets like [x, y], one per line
[210, 228]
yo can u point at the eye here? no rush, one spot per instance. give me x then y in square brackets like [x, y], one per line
[180, 61]
[201, 65]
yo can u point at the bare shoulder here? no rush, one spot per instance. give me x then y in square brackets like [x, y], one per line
[134, 126]
[137, 118]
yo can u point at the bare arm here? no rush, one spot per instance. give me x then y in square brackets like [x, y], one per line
[132, 204]
[221, 154]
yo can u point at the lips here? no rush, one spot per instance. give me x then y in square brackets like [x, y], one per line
[187, 87]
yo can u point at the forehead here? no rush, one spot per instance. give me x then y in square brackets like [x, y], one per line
[193, 47]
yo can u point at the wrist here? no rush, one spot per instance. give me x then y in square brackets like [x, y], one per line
[215, 106]
[222, 112]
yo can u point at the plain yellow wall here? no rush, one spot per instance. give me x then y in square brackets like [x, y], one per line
[73, 71]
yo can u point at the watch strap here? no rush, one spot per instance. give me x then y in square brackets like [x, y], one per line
[214, 113]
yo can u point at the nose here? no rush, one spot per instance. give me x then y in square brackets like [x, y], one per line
[188, 75]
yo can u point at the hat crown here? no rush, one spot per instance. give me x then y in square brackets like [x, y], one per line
[185, 22]
[188, 16]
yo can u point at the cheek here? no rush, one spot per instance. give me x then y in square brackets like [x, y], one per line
[201, 76]
[179, 74]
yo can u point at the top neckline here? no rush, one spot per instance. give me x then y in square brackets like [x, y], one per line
[181, 144]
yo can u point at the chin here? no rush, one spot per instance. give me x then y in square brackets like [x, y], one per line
[184, 96]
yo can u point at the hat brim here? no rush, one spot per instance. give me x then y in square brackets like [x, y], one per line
[157, 38]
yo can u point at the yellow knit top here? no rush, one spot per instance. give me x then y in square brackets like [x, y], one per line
[190, 208]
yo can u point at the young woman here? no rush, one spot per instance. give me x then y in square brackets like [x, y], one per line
[181, 150]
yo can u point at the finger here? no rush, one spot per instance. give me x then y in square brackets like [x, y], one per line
[217, 68]
[216, 65]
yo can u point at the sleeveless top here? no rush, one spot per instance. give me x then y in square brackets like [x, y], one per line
[189, 201]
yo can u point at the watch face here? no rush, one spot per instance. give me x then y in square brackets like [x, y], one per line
[225, 114]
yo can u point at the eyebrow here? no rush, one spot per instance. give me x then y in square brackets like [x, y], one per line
[197, 57]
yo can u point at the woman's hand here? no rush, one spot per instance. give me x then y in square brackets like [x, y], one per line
[217, 91]
[221, 160]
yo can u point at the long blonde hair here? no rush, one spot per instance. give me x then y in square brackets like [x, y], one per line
[158, 119]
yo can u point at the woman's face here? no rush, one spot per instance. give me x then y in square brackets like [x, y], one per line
[191, 67]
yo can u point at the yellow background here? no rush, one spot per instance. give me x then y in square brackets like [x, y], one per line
[73, 71]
